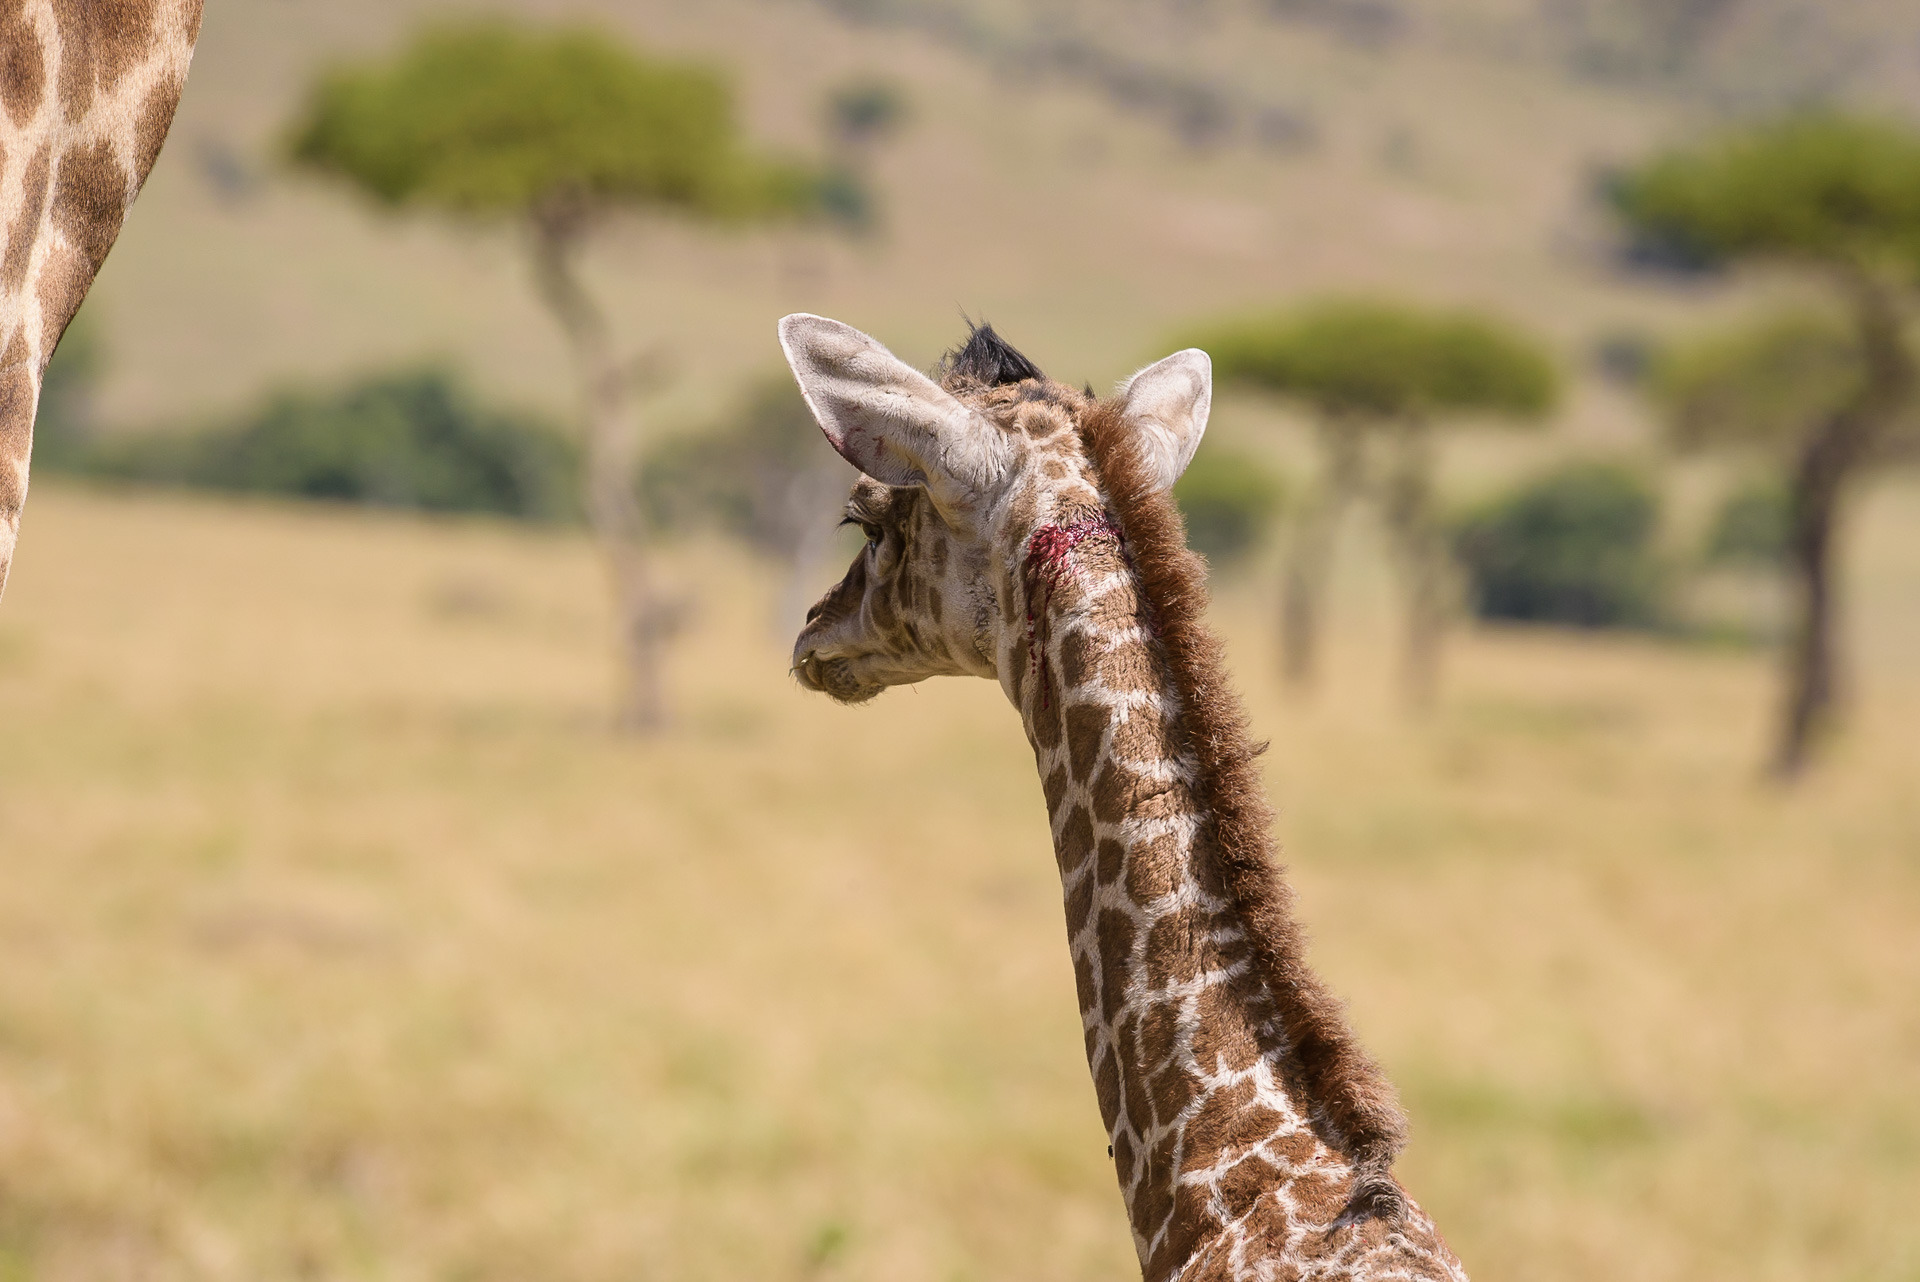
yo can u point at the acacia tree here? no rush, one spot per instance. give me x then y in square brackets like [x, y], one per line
[557, 130]
[1766, 390]
[759, 475]
[1837, 199]
[1380, 377]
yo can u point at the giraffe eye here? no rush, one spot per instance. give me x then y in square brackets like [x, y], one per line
[867, 528]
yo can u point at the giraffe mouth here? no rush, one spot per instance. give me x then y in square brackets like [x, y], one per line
[834, 678]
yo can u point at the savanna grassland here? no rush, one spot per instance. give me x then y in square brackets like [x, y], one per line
[340, 939]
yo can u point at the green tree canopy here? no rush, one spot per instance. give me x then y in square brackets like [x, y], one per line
[1760, 385]
[1823, 186]
[1382, 359]
[491, 117]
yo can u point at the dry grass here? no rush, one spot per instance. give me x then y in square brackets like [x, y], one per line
[338, 941]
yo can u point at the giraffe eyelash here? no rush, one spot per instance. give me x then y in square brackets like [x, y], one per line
[870, 528]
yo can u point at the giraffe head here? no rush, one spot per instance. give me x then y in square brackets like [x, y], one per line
[957, 478]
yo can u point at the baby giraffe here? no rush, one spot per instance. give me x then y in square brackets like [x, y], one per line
[1022, 531]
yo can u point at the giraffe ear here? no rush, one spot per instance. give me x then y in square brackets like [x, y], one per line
[890, 420]
[1167, 404]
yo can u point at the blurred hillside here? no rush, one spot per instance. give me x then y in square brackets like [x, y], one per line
[1067, 171]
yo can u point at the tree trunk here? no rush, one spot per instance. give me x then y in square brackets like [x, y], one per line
[1310, 552]
[1421, 552]
[1828, 461]
[1811, 685]
[613, 506]
[808, 527]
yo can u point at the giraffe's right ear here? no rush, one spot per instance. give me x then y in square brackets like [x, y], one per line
[1167, 405]
[890, 420]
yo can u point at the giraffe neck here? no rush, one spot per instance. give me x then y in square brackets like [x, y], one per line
[1189, 1057]
[87, 94]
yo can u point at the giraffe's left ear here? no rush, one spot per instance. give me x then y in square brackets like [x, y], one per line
[1166, 404]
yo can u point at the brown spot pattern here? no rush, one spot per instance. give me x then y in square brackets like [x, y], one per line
[1172, 1089]
[1076, 841]
[100, 41]
[150, 128]
[1106, 1085]
[1142, 737]
[90, 199]
[1047, 729]
[1129, 670]
[23, 64]
[18, 392]
[21, 232]
[1086, 731]
[1153, 869]
[1174, 953]
[1244, 1184]
[65, 277]
[1077, 659]
[1115, 931]
[1222, 1041]
[1110, 792]
[1079, 906]
[1152, 1197]
[1055, 788]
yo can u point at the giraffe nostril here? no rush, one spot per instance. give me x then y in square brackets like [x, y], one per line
[813, 611]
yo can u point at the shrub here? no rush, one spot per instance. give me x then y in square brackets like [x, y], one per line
[1573, 546]
[64, 420]
[862, 110]
[411, 440]
[1229, 501]
[1750, 528]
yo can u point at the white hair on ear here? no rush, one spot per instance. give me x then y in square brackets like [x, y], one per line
[1167, 404]
[887, 418]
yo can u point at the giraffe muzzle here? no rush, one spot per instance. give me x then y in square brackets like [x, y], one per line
[834, 677]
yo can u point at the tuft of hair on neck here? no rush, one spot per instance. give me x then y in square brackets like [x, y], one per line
[1347, 1097]
[985, 360]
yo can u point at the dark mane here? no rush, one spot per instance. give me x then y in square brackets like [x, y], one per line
[1349, 1098]
[986, 360]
